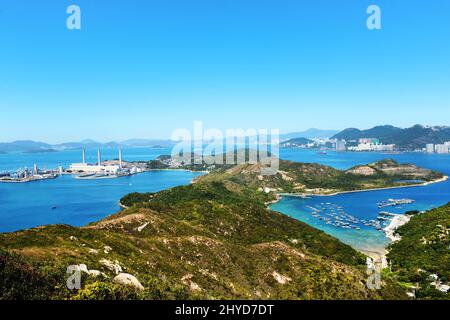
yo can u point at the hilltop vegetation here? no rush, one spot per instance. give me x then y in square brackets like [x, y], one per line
[296, 177]
[424, 250]
[213, 239]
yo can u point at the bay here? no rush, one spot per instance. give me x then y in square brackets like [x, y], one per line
[363, 205]
[76, 202]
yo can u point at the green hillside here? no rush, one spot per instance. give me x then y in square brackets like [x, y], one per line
[213, 239]
[297, 177]
[423, 250]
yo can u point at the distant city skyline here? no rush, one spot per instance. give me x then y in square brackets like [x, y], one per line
[143, 69]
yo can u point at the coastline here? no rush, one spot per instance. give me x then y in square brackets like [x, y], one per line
[122, 206]
[303, 195]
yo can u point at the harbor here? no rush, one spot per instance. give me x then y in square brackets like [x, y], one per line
[336, 216]
[365, 220]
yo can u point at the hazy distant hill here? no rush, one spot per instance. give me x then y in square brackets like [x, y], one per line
[309, 134]
[23, 145]
[147, 143]
[30, 146]
[86, 144]
[409, 138]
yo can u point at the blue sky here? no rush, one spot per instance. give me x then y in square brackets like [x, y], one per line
[144, 68]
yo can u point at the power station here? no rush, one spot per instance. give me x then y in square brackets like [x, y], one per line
[97, 168]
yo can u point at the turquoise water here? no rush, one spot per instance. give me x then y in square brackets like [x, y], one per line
[363, 205]
[78, 202]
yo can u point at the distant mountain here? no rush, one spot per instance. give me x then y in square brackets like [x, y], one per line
[29, 146]
[309, 134]
[147, 143]
[87, 144]
[23, 145]
[411, 138]
[90, 144]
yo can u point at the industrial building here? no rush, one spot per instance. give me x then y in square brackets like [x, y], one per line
[97, 168]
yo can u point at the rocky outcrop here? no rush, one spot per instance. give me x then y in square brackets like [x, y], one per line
[362, 170]
[127, 279]
[113, 266]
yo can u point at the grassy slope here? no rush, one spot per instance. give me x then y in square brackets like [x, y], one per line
[213, 239]
[296, 177]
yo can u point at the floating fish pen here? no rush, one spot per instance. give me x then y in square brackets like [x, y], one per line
[394, 202]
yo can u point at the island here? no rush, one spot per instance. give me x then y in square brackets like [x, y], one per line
[212, 239]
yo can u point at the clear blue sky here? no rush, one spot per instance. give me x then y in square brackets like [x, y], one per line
[144, 68]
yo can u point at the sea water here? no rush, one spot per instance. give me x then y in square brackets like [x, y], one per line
[73, 201]
[78, 202]
[363, 205]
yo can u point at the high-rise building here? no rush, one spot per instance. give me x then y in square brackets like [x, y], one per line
[441, 148]
[430, 148]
